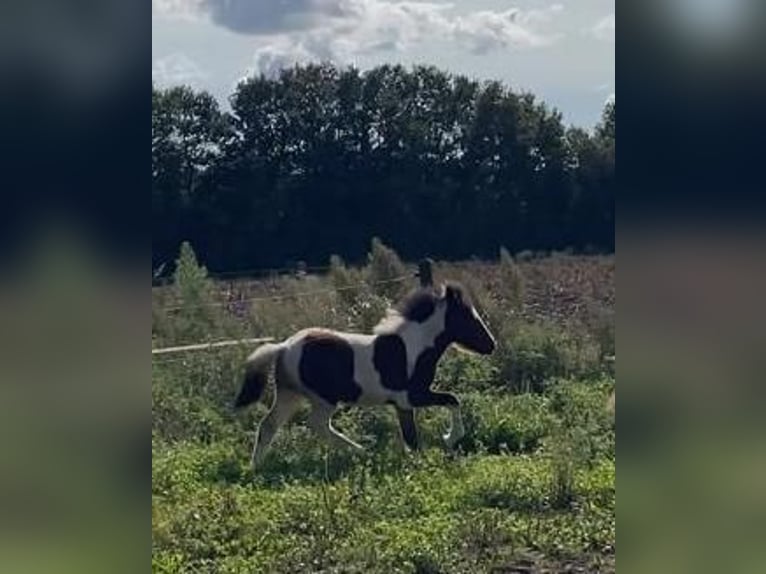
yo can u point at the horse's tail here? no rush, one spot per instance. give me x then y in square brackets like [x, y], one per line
[256, 373]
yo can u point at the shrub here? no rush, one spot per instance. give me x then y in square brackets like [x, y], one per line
[345, 281]
[504, 424]
[383, 269]
[531, 355]
[464, 372]
[363, 307]
[199, 316]
[579, 435]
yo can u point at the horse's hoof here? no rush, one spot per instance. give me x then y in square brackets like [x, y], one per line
[452, 441]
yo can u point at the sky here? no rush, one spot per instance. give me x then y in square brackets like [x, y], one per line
[560, 50]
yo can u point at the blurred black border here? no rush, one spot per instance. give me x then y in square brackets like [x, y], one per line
[75, 131]
[74, 142]
[690, 210]
[691, 119]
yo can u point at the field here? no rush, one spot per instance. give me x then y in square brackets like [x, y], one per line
[530, 488]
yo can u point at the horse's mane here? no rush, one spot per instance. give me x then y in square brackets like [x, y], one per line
[417, 306]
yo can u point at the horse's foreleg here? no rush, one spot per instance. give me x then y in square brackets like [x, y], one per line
[408, 427]
[430, 398]
[320, 420]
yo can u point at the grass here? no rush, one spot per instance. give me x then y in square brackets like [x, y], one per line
[530, 488]
[456, 514]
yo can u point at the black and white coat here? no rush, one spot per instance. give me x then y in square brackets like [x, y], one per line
[395, 365]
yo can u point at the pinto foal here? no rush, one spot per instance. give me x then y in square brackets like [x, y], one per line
[395, 365]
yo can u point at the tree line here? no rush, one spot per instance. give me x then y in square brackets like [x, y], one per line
[320, 159]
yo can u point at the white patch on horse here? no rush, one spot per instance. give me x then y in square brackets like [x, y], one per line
[367, 376]
[417, 337]
[365, 373]
[479, 319]
[391, 323]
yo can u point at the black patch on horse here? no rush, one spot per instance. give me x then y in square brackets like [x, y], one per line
[418, 306]
[455, 290]
[425, 365]
[327, 368]
[390, 360]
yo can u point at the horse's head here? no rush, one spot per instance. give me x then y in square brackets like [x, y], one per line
[462, 322]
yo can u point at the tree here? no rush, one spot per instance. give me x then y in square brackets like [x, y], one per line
[318, 160]
[189, 133]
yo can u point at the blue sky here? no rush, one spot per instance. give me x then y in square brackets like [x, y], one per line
[561, 50]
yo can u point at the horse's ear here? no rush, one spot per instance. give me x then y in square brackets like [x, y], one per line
[454, 293]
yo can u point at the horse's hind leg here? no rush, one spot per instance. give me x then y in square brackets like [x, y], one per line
[285, 405]
[408, 427]
[320, 420]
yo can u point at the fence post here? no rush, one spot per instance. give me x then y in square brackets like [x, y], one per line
[425, 272]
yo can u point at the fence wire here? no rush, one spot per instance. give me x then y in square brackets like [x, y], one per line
[235, 302]
[285, 297]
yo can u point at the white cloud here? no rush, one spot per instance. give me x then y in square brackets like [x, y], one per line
[361, 27]
[604, 28]
[488, 30]
[177, 69]
[270, 59]
[254, 16]
[339, 30]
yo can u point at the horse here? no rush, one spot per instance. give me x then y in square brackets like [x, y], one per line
[395, 365]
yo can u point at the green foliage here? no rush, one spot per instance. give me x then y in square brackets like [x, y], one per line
[345, 281]
[548, 486]
[427, 514]
[196, 319]
[318, 159]
[531, 356]
[501, 424]
[579, 435]
[190, 277]
[384, 269]
[362, 305]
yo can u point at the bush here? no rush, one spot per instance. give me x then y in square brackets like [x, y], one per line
[530, 356]
[345, 281]
[503, 424]
[199, 316]
[579, 435]
[363, 307]
[384, 268]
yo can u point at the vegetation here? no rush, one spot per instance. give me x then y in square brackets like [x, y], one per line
[320, 159]
[530, 488]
